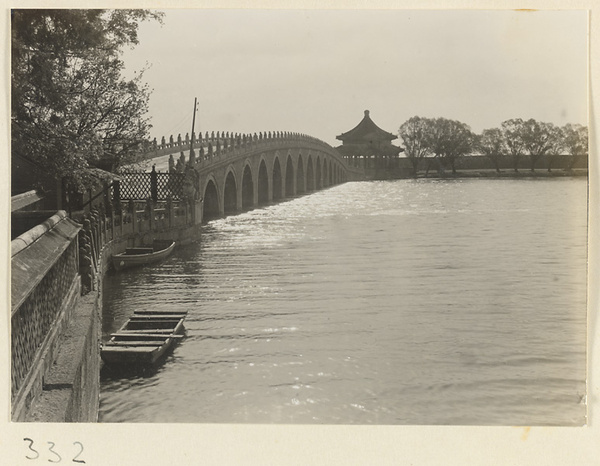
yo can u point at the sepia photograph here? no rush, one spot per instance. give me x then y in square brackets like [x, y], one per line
[299, 218]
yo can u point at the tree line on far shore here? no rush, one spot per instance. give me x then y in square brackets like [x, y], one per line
[447, 140]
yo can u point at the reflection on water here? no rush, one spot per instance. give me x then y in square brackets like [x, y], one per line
[402, 302]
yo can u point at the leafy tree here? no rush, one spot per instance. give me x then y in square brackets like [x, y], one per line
[575, 143]
[71, 107]
[513, 137]
[493, 145]
[413, 132]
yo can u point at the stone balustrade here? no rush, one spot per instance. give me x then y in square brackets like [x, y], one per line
[221, 142]
[59, 261]
[44, 283]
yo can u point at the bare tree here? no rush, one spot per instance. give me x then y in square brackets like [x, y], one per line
[513, 138]
[556, 145]
[449, 140]
[493, 145]
[414, 134]
[538, 138]
[575, 143]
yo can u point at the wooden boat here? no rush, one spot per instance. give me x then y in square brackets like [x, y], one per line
[144, 338]
[133, 257]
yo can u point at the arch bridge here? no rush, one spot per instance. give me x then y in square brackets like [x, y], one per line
[240, 172]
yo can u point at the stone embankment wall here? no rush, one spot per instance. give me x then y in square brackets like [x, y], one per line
[56, 289]
[45, 290]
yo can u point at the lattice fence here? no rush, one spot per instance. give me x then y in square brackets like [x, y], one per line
[159, 186]
[32, 321]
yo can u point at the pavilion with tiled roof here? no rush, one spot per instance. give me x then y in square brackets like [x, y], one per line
[366, 132]
[367, 141]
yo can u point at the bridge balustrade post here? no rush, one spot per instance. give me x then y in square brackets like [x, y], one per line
[108, 205]
[150, 213]
[88, 225]
[117, 196]
[103, 224]
[101, 216]
[85, 262]
[154, 183]
[170, 211]
[134, 219]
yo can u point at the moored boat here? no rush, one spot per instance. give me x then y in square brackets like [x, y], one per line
[144, 338]
[134, 257]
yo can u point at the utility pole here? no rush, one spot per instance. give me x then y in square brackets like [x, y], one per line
[192, 153]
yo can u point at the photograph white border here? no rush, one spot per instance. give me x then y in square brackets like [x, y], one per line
[153, 444]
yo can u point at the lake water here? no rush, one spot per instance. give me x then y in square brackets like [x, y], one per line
[397, 302]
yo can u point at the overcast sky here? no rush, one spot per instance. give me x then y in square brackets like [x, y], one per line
[315, 71]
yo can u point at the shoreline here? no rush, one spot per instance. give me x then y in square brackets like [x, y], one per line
[510, 174]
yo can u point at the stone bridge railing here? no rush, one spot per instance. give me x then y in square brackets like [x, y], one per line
[44, 284]
[218, 144]
[105, 223]
[58, 263]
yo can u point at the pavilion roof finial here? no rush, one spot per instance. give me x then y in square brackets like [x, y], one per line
[366, 130]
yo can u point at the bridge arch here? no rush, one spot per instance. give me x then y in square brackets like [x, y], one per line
[230, 192]
[247, 187]
[289, 177]
[300, 180]
[318, 179]
[211, 208]
[334, 174]
[332, 167]
[260, 170]
[263, 183]
[310, 176]
[277, 182]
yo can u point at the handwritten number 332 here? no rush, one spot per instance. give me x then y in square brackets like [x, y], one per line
[56, 458]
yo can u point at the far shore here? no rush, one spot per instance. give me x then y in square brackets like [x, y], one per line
[524, 173]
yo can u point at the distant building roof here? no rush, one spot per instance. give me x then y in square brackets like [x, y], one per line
[366, 131]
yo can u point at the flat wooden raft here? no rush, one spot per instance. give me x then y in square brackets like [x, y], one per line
[146, 339]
